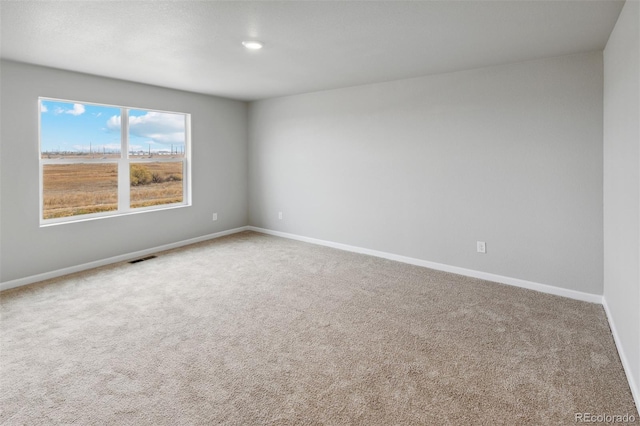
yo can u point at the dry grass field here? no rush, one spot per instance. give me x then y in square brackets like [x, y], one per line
[165, 186]
[76, 189]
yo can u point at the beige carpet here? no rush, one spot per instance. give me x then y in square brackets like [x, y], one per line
[252, 329]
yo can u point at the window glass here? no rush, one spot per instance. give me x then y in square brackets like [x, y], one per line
[84, 158]
[80, 131]
[78, 189]
[156, 183]
[156, 134]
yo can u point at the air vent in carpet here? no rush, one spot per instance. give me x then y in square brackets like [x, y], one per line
[142, 259]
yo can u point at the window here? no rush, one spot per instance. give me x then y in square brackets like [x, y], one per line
[102, 160]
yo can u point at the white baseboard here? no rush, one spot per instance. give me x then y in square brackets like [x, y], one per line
[120, 258]
[635, 391]
[544, 288]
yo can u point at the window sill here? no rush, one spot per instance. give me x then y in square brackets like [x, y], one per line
[106, 215]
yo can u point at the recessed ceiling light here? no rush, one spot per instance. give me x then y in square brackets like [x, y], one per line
[253, 45]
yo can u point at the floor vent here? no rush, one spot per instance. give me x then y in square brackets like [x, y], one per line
[142, 259]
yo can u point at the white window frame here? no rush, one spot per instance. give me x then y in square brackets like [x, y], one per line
[123, 162]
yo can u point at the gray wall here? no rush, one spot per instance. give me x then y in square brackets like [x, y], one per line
[219, 171]
[425, 167]
[622, 185]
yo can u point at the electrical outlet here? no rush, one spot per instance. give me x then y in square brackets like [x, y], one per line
[215, 217]
[280, 215]
[481, 247]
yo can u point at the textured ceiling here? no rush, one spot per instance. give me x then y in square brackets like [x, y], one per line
[309, 46]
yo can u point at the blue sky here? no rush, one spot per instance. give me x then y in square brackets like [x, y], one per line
[69, 126]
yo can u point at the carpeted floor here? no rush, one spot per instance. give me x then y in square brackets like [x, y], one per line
[252, 329]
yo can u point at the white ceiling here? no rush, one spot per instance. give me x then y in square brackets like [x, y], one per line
[309, 46]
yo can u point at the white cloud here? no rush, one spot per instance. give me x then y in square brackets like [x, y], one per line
[43, 108]
[114, 123]
[158, 127]
[78, 109]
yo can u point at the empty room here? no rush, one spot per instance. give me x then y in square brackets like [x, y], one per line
[319, 212]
